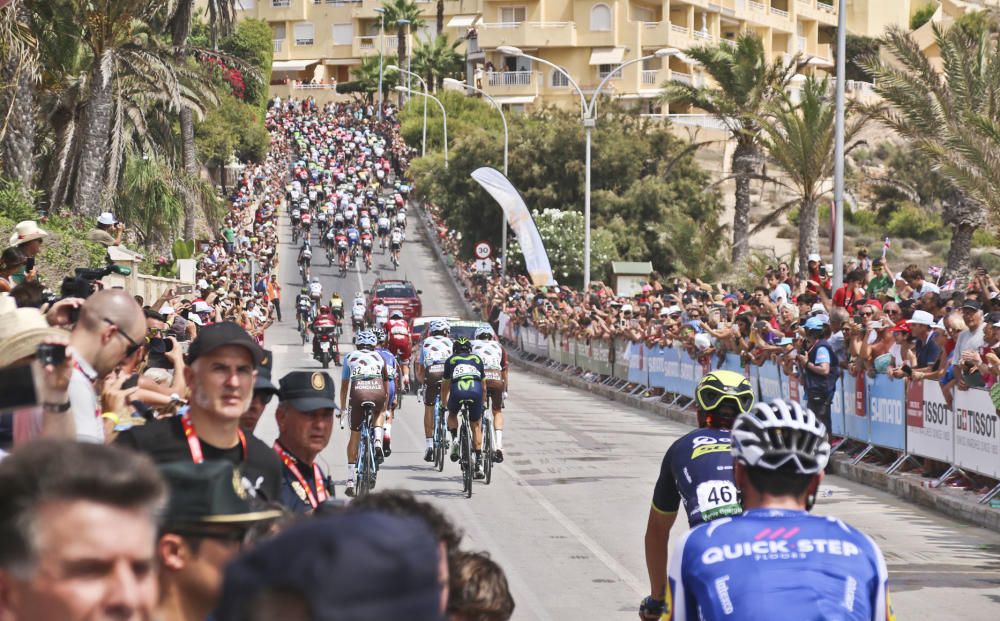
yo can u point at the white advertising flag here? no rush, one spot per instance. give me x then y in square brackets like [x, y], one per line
[519, 219]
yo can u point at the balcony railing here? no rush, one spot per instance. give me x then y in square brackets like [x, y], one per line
[703, 34]
[779, 12]
[683, 78]
[496, 25]
[825, 6]
[509, 78]
[278, 45]
[757, 6]
[680, 29]
[649, 76]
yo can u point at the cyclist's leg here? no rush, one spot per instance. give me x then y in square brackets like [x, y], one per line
[495, 391]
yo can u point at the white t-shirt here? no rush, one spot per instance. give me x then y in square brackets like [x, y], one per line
[83, 403]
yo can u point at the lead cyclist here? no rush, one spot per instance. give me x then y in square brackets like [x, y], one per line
[775, 561]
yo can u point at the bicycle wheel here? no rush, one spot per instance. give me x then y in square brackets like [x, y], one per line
[467, 459]
[363, 474]
[488, 449]
[439, 432]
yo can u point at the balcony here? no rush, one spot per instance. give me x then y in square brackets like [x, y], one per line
[779, 12]
[527, 34]
[509, 83]
[757, 6]
[650, 77]
[370, 46]
[683, 78]
[279, 44]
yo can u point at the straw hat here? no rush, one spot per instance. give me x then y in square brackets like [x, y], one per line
[26, 231]
[21, 332]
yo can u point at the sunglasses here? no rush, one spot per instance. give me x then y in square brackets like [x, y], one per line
[868, 314]
[133, 346]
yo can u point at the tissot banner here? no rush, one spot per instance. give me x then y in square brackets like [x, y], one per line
[519, 218]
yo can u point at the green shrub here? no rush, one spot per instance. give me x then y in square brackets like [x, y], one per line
[864, 220]
[788, 232]
[915, 223]
[922, 16]
[911, 244]
[984, 239]
[987, 260]
[938, 247]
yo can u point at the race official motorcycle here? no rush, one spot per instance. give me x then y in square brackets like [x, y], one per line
[325, 346]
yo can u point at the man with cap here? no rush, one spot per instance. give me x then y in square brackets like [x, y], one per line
[27, 238]
[926, 350]
[814, 275]
[263, 392]
[220, 374]
[106, 224]
[204, 525]
[818, 363]
[306, 403]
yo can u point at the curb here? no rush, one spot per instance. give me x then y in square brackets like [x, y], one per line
[949, 502]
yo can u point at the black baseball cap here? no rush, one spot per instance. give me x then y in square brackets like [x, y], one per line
[307, 391]
[216, 335]
[972, 304]
[211, 492]
[263, 383]
[340, 569]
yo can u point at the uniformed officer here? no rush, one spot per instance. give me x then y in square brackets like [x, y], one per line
[306, 404]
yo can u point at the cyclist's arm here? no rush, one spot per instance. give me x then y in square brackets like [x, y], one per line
[446, 381]
[662, 514]
[345, 385]
[675, 594]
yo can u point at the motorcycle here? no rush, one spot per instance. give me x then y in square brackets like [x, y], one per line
[328, 348]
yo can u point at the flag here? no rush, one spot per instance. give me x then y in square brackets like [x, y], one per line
[885, 247]
[948, 285]
[934, 272]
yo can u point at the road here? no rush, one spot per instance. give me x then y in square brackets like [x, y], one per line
[566, 511]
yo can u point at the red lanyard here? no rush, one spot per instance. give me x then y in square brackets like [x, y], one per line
[289, 462]
[195, 444]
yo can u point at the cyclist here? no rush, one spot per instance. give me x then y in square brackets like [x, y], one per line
[316, 292]
[303, 309]
[463, 381]
[337, 306]
[364, 378]
[393, 367]
[400, 345]
[296, 216]
[381, 313]
[358, 312]
[306, 223]
[395, 242]
[364, 221]
[305, 259]
[495, 362]
[367, 242]
[698, 470]
[775, 561]
[325, 321]
[353, 238]
[383, 229]
[434, 352]
[343, 246]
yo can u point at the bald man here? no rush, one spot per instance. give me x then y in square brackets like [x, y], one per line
[111, 328]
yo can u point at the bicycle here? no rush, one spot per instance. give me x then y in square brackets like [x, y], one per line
[488, 445]
[366, 470]
[465, 447]
[440, 436]
[295, 233]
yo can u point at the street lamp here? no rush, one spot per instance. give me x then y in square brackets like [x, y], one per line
[838, 154]
[406, 48]
[589, 121]
[381, 44]
[423, 147]
[444, 115]
[503, 117]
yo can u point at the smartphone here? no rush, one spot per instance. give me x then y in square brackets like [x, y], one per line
[29, 264]
[182, 289]
[907, 370]
[786, 341]
[51, 354]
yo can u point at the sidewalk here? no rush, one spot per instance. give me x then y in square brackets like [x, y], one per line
[952, 502]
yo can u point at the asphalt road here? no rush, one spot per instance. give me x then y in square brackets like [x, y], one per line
[566, 511]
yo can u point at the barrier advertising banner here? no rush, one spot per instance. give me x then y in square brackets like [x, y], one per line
[837, 409]
[600, 351]
[690, 374]
[636, 364]
[929, 422]
[855, 421]
[885, 409]
[620, 366]
[792, 387]
[976, 445]
[655, 362]
[732, 363]
[672, 371]
[768, 382]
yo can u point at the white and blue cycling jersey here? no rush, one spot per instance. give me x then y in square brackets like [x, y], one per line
[777, 565]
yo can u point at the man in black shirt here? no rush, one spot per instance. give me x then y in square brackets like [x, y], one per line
[220, 375]
[306, 402]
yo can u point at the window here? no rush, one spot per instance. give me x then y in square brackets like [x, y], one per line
[279, 31]
[512, 14]
[559, 79]
[643, 14]
[281, 4]
[600, 17]
[343, 34]
[305, 34]
[604, 70]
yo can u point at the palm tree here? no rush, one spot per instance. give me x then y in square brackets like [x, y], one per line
[439, 16]
[365, 77]
[438, 59]
[951, 118]
[800, 139]
[745, 86]
[18, 78]
[404, 11]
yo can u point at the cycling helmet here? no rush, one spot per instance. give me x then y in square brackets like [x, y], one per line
[379, 335]
[439, 326]
[323, 310]
[484, 333]
[305, 289]
[722, 388]
[365, 338]
[781, 435]
[396, 314]
[315, 279]
[462, 345]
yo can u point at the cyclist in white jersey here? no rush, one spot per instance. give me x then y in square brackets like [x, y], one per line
[775, 561]
[494, 360]
[365, 378]
[381, 312]
[434, 352]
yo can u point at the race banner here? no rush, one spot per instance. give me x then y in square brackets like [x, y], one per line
[672, 381]
[636, 364]
[976, 445]
[837, 409]
[689, 374]
[655, 364]
[620, 367]
[768, 382]
[792, 387]
[855, 421]
[886, 406]
[929, 422]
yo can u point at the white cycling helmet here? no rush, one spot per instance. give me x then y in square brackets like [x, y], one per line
[366, 338]
[396, 314]
[439, 325]
[781, 435]
[482, 331]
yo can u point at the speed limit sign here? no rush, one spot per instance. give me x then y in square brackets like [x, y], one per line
[483, 250]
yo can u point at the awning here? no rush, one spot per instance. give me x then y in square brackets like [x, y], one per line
[816, 61]
[292, 65]
[342, 61]
[462, 21]
[607, 55]
[515, 99]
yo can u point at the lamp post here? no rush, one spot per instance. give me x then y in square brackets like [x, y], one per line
[503, 117]
[589, 122]
[381, 44]
[406, 48]
[838, 154]
[444, 115]
[423, 146]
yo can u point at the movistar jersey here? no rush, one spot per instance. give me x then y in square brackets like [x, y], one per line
[465, 371]
[698, 470]
[776, 565]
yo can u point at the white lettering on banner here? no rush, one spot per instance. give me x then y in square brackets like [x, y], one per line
[977, 423]
[887, 411]
[977, 447]
[770, 387]
[778, 549]
[656, 364]
[687, 370]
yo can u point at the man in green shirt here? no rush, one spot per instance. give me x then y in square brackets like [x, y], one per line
[27, 238]
[229, 234]
[881, 281]
[108, 230]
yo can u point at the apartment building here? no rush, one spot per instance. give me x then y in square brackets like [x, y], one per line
[317, 42]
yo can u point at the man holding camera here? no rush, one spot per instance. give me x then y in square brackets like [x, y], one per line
[819, 364]
[106, 226]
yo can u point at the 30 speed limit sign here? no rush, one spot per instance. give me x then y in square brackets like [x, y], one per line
[483, 250]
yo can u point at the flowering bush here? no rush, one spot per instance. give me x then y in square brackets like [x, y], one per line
[230, 75]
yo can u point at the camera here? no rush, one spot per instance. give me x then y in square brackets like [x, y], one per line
[159, 345]
[51, 354]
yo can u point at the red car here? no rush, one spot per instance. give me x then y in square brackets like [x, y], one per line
[397, 295]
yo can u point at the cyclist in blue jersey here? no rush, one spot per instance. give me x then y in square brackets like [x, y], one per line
[463, 381]
[698, 470]
[392, 368]
[776, 562]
